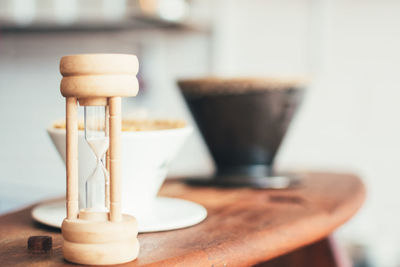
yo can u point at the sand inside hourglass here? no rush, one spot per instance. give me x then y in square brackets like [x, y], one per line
[99, 146]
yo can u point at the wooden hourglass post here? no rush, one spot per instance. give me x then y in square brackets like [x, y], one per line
[115, 158]
[72, 157]
[107, 185]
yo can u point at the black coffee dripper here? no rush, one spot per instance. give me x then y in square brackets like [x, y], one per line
[243, 122]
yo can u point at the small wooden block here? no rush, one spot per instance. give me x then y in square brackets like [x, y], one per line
[40, 244]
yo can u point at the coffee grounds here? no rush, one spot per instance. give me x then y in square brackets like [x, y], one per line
[222, 86]
[136, 125]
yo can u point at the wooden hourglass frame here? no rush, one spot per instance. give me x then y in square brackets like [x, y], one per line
[98, 237]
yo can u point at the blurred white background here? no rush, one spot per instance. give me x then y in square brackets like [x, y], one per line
[348, 122]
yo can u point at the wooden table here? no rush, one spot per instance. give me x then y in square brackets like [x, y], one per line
[244, 226]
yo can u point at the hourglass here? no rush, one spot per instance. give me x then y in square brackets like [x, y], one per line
[98, 233]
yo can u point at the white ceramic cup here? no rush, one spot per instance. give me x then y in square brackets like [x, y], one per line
[146, 156]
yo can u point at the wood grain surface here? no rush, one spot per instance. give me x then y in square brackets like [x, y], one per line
[244, 226]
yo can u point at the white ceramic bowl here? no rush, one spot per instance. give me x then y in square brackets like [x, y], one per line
[146, 156]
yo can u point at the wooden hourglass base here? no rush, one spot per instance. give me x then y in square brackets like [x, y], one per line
[100, 242]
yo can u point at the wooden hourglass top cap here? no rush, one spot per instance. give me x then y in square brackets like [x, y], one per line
[99, 75]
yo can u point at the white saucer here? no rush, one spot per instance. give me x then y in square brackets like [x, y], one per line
[166, 214]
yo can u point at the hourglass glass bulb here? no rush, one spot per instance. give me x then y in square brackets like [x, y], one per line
[96, 137]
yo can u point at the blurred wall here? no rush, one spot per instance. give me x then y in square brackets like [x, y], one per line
[350, 50]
